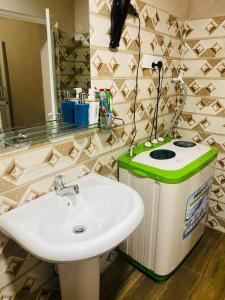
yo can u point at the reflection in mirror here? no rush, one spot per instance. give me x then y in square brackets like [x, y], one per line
[23, 52]
[73, 55]
[28, 107]
[72, 62]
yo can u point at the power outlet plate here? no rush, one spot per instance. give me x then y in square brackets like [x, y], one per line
[148, 60]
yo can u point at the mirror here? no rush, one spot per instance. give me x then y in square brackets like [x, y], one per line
[22, 55]
[73, 55]
[25, 84]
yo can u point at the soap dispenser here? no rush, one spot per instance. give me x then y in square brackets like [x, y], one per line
[81, 110]
[67, 108]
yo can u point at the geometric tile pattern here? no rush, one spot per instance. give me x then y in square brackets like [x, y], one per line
[72, 61]
[26, 175]
[203, 116]
[116, 70]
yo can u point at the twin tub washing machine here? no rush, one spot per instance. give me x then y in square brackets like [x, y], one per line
[174, 179]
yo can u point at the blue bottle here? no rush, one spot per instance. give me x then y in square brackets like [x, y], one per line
[81, 114]
[67, 108]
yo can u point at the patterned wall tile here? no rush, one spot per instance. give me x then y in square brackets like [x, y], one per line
[203, 116]
[205, 28]
[206, 68]
[72, 57]
[216, 216]
[122, 89]
[195, 46]
[98, 151]
[24, 167]
[210, 124]
[206, 106]
[206, 49]
[152, 19]
[218, 190]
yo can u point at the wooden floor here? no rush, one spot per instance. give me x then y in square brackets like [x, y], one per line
[200, 277]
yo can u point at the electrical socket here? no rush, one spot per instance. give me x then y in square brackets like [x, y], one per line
[148, 60]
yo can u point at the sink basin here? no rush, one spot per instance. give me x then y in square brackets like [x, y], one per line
[108, 210]
[79, 227]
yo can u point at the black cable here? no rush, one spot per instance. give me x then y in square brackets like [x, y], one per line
[159, 97]
[137, 81]
[156, 112]
[157, 104]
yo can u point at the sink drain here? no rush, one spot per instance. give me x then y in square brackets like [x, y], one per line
[79, 229]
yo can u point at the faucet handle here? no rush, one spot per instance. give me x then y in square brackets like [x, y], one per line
[59, 181]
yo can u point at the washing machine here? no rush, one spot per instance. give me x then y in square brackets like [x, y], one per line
[174, 179]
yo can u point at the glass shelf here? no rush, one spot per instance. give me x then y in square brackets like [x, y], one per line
[21, 138]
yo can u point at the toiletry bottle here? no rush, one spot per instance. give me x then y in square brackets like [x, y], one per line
[107, 94]
[103, 102]
[93, 107]
[67, 108]
[103, 112]
[100, 113]
[109, 121]
[81, 112]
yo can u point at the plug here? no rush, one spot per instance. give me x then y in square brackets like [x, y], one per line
[158, 65]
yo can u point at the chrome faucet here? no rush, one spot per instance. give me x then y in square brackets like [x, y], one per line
[62, 190]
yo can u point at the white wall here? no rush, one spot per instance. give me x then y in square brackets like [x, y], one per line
[178, 8]
[82, 16]
[200, 9]
[61, 10]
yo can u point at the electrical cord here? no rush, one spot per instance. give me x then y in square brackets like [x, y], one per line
[137, 80]
[157, 104]
[156, 112]
[159, 97]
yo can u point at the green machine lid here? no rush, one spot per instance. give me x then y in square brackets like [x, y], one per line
[165, 175]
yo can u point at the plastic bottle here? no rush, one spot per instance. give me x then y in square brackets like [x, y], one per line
[103, 109]
[103, 103]
[93, 107]
[109, 123]
[107, 94]
[67, 108]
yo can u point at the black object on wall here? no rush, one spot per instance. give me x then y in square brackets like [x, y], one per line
[118, 16]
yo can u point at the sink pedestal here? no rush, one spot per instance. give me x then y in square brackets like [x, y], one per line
[80, 280]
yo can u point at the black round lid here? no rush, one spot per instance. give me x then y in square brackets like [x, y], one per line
[184, 144]
[162, 154]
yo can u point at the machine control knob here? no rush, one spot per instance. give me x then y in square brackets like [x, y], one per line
[148, 144]
[155, 141]
[161, 139]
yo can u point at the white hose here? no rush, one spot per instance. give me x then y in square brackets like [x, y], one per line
[180, 109]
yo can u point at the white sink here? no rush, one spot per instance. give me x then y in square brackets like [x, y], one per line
[108, 210]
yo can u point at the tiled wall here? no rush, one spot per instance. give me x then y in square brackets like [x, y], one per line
[160, 36]
[203, 118]
[72, 61]
[26, 175]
